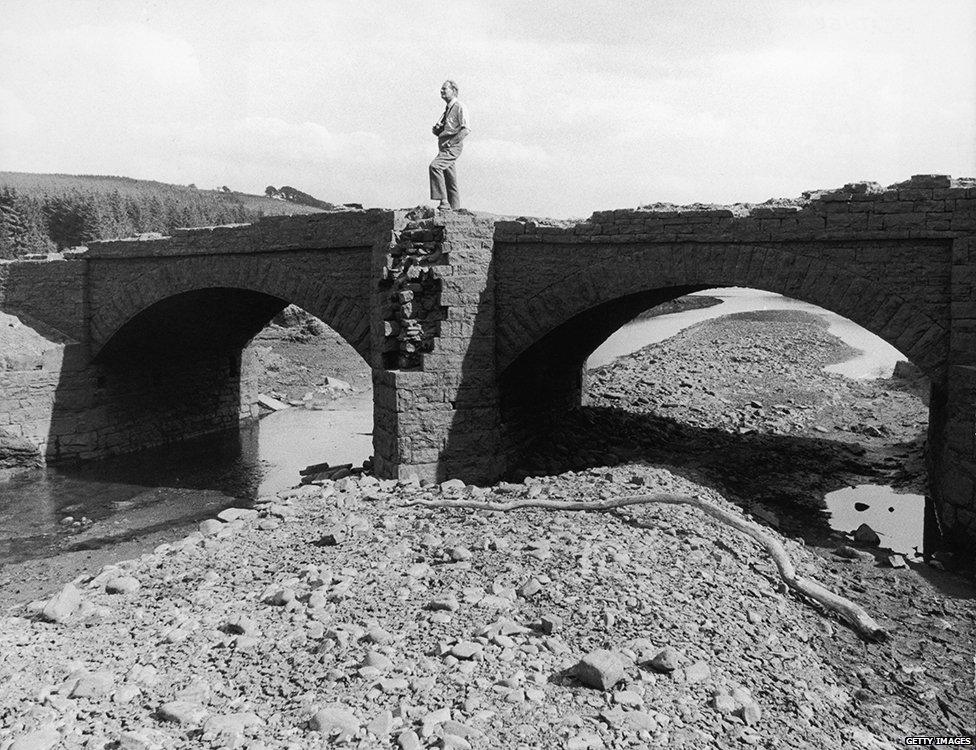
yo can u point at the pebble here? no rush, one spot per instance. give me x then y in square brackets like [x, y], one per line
[41, 739]
[445, 603]
[211, 526]
[466, 650]
[600, 669]
[122, 585]
[665, 660]
[697, 672]
[551, 624]
[93, 684]
[409, 741]
[864, 534]
[335, 719]
[62, 605]
[183, 712]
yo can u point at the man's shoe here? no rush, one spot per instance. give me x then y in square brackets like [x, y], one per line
[444, 206]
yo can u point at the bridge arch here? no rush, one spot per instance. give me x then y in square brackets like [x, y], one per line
[256, 289]
[589, 303]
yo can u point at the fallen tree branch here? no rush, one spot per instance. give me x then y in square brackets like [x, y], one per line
[848, 610]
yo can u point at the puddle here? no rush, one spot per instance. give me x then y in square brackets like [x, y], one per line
[898, 518]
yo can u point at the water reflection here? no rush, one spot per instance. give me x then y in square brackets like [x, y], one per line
[896, 517]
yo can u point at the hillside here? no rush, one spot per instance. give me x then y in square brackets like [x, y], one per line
[46, 212]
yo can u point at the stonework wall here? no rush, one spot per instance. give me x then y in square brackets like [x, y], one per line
[72, 410]
[441, 420]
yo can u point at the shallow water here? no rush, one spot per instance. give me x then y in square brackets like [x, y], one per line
[898, 518]
[136, 494]
[877, 358]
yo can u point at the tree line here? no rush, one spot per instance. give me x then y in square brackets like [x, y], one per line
[45, 213]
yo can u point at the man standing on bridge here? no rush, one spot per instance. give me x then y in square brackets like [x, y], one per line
[450, 130]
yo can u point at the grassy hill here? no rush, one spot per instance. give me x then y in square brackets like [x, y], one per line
[44, 212]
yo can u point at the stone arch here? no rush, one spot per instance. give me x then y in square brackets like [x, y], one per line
[128, 296]
[640, 278]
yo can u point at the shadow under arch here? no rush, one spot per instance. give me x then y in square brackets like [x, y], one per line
[173, 371]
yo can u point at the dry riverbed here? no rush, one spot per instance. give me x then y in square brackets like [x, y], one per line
[337, 614]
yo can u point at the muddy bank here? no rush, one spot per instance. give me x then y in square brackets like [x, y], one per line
[681, 304]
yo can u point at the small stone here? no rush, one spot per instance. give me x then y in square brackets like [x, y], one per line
[211, 526]
[665, 660]
[381, 725]
[379, 636]
[333, 537]
[852, 553]
[93, 684]
[551, 624]
[897, 561]
[448, 603]
[530, 588]
[231, 725]
[454, 742]
[376, 660]
[600, 669]
[753, 617]
[453, 486]
[122, 585]
[697, 672]
[62, 605]
[280, 597]
[335, 719]
[175, 635]
[466, 650]
[233, 514]
[628, 698]
[240, 625]
[126, 694]
[183, 712]
[724, 703]
[750, 713]
[41, 739]
[409, 741]
[460, 554]
[867, 536]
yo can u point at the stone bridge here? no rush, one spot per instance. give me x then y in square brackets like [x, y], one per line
[477, 328]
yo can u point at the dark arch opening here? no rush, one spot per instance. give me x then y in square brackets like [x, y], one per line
[191, 322]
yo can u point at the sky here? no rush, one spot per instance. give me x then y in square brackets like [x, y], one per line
[575, 105]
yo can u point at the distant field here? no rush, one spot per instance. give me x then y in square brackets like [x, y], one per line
[44, 212]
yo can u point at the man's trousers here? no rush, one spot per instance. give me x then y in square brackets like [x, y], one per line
[443, 176]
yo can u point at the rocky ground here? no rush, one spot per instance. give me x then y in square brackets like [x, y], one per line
[337, 615]
[297, 355]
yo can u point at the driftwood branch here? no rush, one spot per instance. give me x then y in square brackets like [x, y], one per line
[848, 610]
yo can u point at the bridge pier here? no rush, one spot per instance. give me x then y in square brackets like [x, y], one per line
[436, 415]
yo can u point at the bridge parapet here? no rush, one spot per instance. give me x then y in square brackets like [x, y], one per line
[926, 206]
[324, 231]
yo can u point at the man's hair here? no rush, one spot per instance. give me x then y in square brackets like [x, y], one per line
[453, 85]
